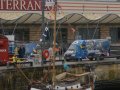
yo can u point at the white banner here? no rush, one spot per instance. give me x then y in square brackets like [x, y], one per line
[10, 37]
[50, 3]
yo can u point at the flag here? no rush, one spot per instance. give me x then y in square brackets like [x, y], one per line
[46, 28]
[46, 33]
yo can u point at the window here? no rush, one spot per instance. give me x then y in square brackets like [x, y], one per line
[20, 34]
[90, 33]
[61, 35]
[118, 34]
[115, 34]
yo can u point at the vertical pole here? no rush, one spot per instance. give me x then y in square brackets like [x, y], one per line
[42, 27]
[43, 16]
[54, 43]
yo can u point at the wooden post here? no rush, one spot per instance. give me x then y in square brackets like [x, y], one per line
[54, 43]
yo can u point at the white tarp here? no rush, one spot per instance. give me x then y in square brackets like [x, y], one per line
[10, 37]
[50, 3]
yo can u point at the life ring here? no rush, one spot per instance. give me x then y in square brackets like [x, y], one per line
[45, 54]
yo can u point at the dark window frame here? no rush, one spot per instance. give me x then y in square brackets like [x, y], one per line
[88, 33]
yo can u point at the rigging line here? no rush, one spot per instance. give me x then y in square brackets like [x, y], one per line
[14, 29]
[61, 44]
[23, 73]
[3, 31]
[26, 76]
[59, 26]
[88, 33]
[56, 32]
[95, 29]
[58, 29]
[47, 74]
[54, 46]
[33, 73]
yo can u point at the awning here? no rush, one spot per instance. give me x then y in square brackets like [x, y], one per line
[68, 11]
[74, 18]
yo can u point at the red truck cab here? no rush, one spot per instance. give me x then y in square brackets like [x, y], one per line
[4, 57]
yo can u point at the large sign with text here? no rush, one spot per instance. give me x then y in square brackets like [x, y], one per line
[12, 9]
[25, 5]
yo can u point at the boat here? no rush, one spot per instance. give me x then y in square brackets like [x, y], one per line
[64, 86]
[63, 83]
[59, 82]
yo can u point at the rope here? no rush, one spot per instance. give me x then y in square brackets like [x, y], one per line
[39, 82]
[58, 29]
[88, 33]
[23, 73]
[95, 30]
[33, 73]
[45, 77]
[61, 45]
[14, 29]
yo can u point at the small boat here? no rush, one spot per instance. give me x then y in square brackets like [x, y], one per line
[65, 83]
[58, 81]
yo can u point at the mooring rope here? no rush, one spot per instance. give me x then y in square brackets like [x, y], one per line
[30, 81]
[23, 73]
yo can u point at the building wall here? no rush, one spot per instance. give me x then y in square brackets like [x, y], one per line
[35, 33]
[104, 31]
[71, 34]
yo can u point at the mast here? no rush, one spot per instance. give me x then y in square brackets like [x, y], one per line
[54, 43]
[43, 24]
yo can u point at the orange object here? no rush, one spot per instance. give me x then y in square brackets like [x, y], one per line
[56, 49]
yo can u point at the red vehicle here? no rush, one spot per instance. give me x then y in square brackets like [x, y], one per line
[4, 57]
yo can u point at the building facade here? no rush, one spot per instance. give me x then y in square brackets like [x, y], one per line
[76, 19]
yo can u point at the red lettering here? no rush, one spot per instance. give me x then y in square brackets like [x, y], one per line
[9, 4]
[15, 5]
[23, 5]
[37, 5]
[30, 6]
[1, 4]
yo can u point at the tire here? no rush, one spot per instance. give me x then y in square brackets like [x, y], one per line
[91, 58]
[79, 59]
[67, 59]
